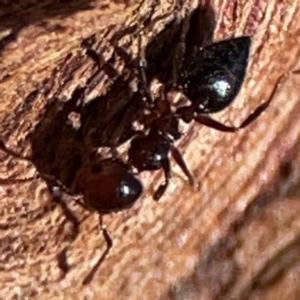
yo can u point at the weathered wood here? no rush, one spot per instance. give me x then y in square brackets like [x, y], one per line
[235, 236]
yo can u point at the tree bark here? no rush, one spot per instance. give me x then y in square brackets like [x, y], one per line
[233, 236]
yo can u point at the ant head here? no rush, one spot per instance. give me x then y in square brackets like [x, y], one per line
[213, 76]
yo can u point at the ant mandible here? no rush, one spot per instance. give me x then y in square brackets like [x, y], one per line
[210, 78]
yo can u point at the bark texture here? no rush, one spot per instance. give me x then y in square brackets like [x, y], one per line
[236, 235]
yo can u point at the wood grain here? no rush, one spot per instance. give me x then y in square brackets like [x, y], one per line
[234, 236]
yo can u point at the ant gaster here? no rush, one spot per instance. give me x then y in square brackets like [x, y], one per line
[118, 187]
[212, 78]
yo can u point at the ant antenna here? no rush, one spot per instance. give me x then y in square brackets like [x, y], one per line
[109, 244]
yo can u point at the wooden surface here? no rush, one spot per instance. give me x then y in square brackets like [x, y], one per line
[234, 236]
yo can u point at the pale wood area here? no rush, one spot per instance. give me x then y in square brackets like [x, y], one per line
[234, 236]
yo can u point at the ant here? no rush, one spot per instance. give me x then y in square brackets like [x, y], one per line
[210, 79]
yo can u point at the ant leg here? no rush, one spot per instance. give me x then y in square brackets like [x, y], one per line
[162, 105]
[46, 177]
[180, 161]
[4, 148]
[69, 215]
[109, 244]
[179, 52]
[221, 127]
[56, 186]
[163, 186]
[186, 113]
[12, 179]
[142, 63]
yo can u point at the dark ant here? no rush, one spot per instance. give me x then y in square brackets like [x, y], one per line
[210, 79]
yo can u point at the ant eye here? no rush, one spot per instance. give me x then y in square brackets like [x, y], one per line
[212, 77]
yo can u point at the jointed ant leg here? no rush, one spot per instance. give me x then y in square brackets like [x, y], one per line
[4, 148]
[109, 244]
[163, 186]
[148, 24]
[181, 163]
[12, 179]
[47, 177]
[180, 49]
[69, 215]
[142, 70]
